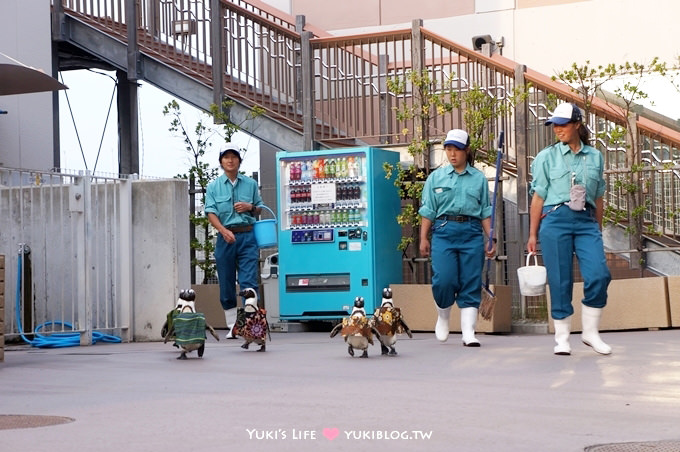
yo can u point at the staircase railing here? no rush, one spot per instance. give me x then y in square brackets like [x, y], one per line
[335, 88]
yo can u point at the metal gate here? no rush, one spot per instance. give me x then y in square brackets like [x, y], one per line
[68, 246]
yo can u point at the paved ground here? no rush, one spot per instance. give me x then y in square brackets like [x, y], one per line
[512, 394]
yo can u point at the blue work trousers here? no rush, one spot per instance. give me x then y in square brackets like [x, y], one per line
[242, 255]
[457, 260]
[563, 233]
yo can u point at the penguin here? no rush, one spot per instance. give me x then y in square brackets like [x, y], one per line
[356, 329]
[388, 321]
[185, 303]
[251, 321]
[186, 326]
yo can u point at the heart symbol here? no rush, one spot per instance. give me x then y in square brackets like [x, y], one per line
[331, 433]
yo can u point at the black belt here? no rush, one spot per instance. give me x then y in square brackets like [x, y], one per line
[457, 218]
[237, 229]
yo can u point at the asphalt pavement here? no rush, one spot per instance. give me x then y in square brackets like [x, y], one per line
[305, 393]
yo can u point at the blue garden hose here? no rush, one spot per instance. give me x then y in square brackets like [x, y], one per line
[55, 340]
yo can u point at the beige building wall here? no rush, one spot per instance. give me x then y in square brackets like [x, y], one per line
[546, 35]
[368, 13]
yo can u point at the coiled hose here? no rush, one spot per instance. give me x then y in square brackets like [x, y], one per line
[55, 340]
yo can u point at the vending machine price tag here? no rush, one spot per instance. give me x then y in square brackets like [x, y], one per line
[323, 193]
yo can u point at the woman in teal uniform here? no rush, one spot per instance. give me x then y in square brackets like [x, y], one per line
[566, 215]
[455, 209]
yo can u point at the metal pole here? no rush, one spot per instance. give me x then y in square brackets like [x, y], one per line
[385, 123]
[418, 64]
[125, 263]
[83, 234]
[299, 96]
[217, 51]
[308, 116]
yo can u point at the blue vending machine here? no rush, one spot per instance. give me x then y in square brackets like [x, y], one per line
[338, 233]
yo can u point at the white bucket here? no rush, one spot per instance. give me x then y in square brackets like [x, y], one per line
[532, 278]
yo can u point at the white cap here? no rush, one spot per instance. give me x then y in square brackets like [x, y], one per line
[457, 137]
[564, 113]
[230, 147]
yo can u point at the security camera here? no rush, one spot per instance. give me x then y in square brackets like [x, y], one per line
[479, 40]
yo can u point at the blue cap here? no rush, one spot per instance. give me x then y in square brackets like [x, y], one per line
[458, 138]
[564, 114]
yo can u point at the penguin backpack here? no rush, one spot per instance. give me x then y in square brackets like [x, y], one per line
[251, 322]
[389, 322]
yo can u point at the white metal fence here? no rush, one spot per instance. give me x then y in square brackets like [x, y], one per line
[71, 235]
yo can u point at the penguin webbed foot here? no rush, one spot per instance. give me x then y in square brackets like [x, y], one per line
[245, 345]
[364, 354]
[383, 349]
[263, 348]
[350, 350]
[393, 352]
[182, 355]
[201, 349]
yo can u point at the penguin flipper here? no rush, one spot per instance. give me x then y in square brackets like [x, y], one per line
[212, 332]
[170, 333]
[407, 330]
[376, 332]
[336, 329]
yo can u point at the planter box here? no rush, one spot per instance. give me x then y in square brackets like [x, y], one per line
[674, 299]
[420, 313]
[631, 304]
[208, 302]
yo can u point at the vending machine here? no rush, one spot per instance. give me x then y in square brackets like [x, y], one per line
[338, 232]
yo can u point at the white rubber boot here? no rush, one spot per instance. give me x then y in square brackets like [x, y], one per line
[468, 322]
[441, 330]
[562, 330]
[230, 317]
[590, 318]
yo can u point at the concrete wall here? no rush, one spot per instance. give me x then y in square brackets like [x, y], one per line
[160, 231]
[2, 307]
[63, 256]
[26, 131]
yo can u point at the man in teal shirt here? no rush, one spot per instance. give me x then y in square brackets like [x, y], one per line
[455, 208]
[232, 202]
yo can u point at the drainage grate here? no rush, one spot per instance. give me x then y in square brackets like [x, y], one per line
[646, 446]
[15, 421]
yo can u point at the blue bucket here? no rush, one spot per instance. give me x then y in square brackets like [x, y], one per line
[265, 231]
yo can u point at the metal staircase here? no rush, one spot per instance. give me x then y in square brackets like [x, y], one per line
[323, 91]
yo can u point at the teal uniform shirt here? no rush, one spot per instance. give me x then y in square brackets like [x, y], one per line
[553, 168]
[221, 195]
[447, 192]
